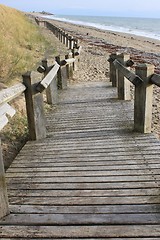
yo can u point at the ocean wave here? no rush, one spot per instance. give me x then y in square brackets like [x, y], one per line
[135, 30]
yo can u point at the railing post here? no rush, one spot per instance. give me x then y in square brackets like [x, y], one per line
[34, 106]
[61, 35]
[61, 74]
[123, 84]
[4, 207]
[69, 67]
[52, 90]
[143, 99]
[75, 64]
[113, 71]
[67, 40]
[76, 43]
[56, 32]
[71, 43]
[64, 38]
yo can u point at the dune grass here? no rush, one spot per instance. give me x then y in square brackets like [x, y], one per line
[20, 43]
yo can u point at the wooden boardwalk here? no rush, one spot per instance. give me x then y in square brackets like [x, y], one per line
[91, 178]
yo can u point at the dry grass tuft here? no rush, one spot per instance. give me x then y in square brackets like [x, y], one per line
[20, 43]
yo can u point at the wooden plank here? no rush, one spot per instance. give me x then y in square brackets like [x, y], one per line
[99, 185]
[81, 160]
[67, 61]
[6, 95]
[49, 174]
[144, 238]
[4, 208]
[120, 147]
[84, 193]
[49, 167]
[48, 78]
[155, 79]
[84, 200]
[80, 219]
[5, 109]
[97, 141]
[108, 209]
[3, 121]
[133, 78]
[81, 231]
[82, 179]
[87, 238]
[99, 152]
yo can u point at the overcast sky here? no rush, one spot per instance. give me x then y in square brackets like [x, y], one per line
[135, 8]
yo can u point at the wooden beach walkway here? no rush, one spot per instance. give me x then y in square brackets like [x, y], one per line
[91, 178]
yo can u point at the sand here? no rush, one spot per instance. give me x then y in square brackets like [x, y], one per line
[97, 46]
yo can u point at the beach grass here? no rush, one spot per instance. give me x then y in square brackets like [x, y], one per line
[21, 44]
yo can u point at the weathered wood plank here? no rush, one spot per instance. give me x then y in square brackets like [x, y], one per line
[5, 109]
[87, 238]
[49, 167]
[4, 208]
[103, 173]
[6, 95]
[120, 147]
[155, 79]
[133, 78]
[48, 78]
[96, 209]
[72, 161]
[82, 219]
[100, 185]
[84, 200]
[144, 238]
[80, 231]
[84, 193]
[82, 179]
[67, 61]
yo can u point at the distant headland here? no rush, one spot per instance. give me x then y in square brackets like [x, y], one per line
[46, 13]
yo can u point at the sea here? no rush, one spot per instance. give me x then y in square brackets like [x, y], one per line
[146, 27]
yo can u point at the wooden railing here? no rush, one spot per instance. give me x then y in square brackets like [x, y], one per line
[143, 79]
[64, 37]
[55, 76]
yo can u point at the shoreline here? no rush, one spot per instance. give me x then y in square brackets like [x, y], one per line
[102, 27]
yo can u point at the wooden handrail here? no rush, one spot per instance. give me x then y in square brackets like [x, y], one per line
[79, 51]
[133, 78]
[155, 79]
[67, 61]
[48, 78]
[6, 95]
[143, 79]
